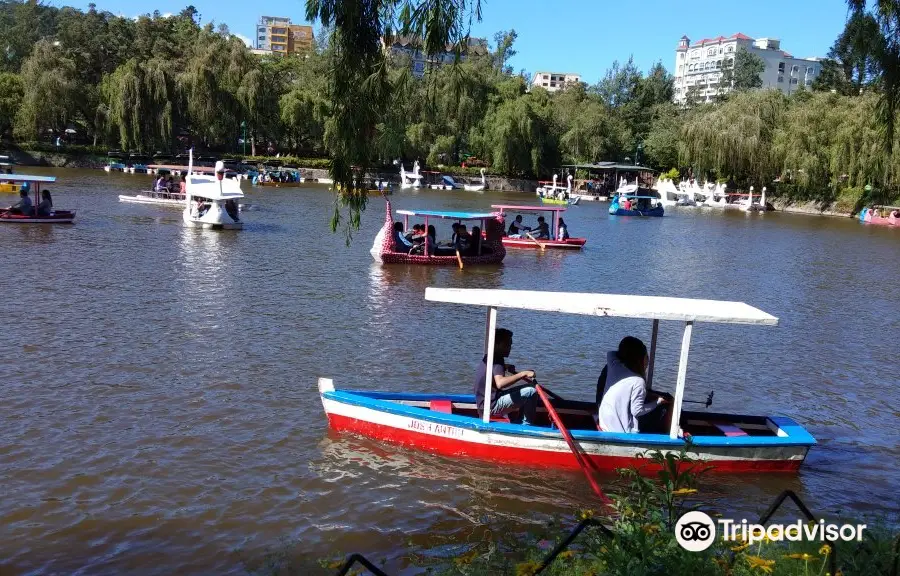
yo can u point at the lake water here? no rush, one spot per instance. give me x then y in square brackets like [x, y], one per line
[160, 411]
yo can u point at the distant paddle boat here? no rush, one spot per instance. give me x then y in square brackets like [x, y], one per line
[450, 424]
[525, 242]
[477, 187]
[385, 250]
[212, 201]
[34, 184]
[873, 216]
[642, 204]
[410, 180]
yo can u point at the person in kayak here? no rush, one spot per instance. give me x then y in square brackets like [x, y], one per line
[24, 206]
[622, 395]
[505, 396]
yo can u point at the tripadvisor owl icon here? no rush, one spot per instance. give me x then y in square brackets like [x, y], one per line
[695, 531]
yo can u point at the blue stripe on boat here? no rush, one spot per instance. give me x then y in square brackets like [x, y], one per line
[797, 435]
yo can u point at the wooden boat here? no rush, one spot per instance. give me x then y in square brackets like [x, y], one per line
[34, 183]
[212, 201]
[384, 249]
[616, 207]
[449, 423]
[525, 242]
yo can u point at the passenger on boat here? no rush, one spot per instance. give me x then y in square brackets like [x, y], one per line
[626, 204]
[622, 390]
[543, 229]
[463, 239]
[455, 227]
[476, 244]
[516, 228]
[504, 398]
[45, 207]
[182, 184]
[160, 185]
[24, 206]
[563, 233]
[401, 244]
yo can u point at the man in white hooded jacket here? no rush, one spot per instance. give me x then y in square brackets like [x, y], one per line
[625, 392]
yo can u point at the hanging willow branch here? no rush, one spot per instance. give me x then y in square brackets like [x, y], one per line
[359, 87]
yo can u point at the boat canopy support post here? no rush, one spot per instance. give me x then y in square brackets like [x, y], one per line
[427, 243]
[653, 335]
[489, 338]
[682, 374]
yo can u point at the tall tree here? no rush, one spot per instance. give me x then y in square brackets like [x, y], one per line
[504, 50]
[10, 99]
[744, 71]
[50, 90]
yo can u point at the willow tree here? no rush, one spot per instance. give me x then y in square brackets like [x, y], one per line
[50, 90]
[887, 15]
[359, 90]
[735, 138]
[140, 101]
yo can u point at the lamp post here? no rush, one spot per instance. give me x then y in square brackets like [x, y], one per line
[244, 138]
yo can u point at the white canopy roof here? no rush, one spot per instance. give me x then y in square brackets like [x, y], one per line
[612, 305]
[210, 187]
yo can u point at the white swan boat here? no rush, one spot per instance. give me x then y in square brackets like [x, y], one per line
[748, 205]
[212, 201]
[477, 187]
[412, 180]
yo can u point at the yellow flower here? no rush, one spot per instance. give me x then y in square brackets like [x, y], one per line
[650, 528]
[585, 514]
[684, 491]
[825, 550]
[740, 548]
[804, 556]
[761, 563]
[526, 568]
[567, 554]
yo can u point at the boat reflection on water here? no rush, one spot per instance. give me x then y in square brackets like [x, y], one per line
[204, 258]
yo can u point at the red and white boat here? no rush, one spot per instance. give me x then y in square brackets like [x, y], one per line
[384, 247]
[449, 423]
[526, 242]
[34, 183]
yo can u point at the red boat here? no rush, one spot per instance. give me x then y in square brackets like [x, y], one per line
[34, 182]
[525, 241]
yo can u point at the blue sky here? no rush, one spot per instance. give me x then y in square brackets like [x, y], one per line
[581, 36]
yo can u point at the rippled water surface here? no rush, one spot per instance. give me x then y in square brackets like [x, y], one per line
[160, 412]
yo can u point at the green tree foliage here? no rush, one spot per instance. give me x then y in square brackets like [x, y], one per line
[10, 99]
[743, 73]
[50, 90]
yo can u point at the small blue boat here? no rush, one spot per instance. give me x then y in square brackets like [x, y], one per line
[643, 204]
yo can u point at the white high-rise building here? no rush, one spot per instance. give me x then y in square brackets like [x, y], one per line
[700, 66]
[554, 81]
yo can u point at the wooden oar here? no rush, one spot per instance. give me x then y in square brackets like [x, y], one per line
[572, 446]
[459, 259]
[535, 240]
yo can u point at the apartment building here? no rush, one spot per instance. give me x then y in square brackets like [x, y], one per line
[554, 81]
[276, 35]
[699, 67]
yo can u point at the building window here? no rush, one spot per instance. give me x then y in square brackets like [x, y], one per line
[711, 52]
[793, 80]
[718, 64]
[680, 68]
[729, 62]
[720, 50]
[795, 69]
[681, 55]
[810, 70]
[729, 49]
[781, 67]
[781, 78]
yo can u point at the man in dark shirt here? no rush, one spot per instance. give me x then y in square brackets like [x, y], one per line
[23, 206]
[504, 397]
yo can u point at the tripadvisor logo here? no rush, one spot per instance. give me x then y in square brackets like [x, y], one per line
[695, 531]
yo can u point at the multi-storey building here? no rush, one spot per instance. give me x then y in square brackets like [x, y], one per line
[276, 34]
[411, 48]
[700, 67]
[554, 81]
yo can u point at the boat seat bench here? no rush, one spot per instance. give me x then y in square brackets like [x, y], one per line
[446, 407]
[728, 429]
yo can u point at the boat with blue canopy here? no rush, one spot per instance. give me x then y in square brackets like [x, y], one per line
[643, 202]
[387, 248]
[31, 183]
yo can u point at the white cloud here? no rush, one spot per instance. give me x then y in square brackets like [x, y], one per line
[244, 39]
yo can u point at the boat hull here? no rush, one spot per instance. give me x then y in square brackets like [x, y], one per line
[570, 244]
[657, 212]
[58, 217]
[554, 201]
[296, 184]
[141, 199]
[370, 414]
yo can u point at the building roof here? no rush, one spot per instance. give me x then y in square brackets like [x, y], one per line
[738, 36]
